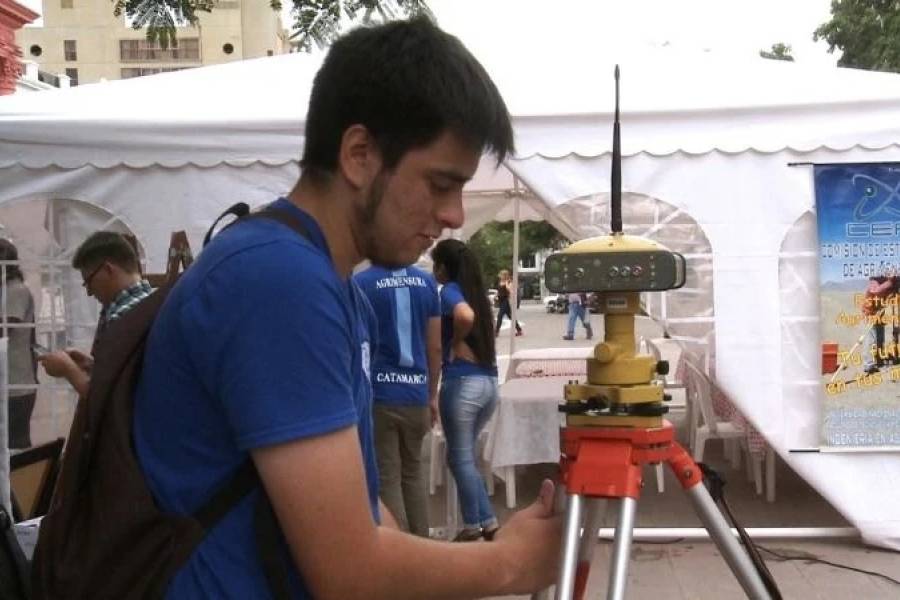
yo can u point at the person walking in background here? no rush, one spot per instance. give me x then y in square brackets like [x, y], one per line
[578, 310]
[406, 368]
[18, 327]
[469, 379]
[504, 300]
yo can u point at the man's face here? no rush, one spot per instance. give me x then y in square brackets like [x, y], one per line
[98, 282]
[408, 207]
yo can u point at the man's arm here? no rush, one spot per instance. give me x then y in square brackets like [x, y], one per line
[433, 349]
[316, 486]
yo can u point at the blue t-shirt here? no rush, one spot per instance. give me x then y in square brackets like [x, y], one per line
[403, 300]
[451, 295]
[260, 342]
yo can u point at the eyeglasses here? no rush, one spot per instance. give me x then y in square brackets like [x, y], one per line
[87, 280]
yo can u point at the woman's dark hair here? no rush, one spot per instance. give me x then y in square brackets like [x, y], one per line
[406, 82]
[462, 268]
[8, 251]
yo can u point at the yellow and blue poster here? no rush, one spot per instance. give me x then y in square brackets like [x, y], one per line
[858, 214]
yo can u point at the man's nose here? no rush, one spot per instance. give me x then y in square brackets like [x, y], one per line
[451, 214]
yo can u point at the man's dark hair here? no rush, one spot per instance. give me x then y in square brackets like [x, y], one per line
[407, 82]
[105, 246]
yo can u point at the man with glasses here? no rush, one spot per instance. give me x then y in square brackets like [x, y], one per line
[111, 273]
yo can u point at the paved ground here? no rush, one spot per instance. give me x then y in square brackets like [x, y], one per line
[694, 570]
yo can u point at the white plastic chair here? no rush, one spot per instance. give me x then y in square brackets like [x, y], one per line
[439, 472]
[647, 346]
[705, 425]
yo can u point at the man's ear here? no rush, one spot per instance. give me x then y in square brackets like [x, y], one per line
[359, 159]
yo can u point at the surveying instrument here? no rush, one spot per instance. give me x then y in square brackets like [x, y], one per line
[614, 422]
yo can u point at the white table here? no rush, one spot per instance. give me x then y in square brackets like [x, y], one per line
[550, 360]
[526, 427]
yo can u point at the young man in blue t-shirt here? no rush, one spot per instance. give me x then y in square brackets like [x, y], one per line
[262, 349]
[406, 368]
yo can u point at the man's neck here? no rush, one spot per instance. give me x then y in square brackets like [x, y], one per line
[333, 212]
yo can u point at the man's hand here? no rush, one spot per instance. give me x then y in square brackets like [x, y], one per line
[532, 539]
[62, 364]
[58, 363]
[84, 361]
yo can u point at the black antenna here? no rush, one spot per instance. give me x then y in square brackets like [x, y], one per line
[616, 183]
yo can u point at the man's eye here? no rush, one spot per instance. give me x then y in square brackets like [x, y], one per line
[441, 186]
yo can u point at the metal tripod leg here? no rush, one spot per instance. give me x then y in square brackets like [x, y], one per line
[736, 557]
[565, 587]
[593, 519]
[618, 572]
[594, 510]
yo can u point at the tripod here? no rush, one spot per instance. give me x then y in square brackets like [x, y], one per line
[602, 463]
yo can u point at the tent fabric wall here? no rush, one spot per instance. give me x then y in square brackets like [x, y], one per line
[708, 136]
[154, 201]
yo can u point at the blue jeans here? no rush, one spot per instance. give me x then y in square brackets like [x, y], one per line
[577, 311]
[466, 405]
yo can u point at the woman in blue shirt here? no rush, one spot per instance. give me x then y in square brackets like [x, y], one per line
[468, 378]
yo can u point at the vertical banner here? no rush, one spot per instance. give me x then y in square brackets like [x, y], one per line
[858, 212]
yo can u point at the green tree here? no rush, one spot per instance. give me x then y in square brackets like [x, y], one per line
[315, 22]
[779, 51]
[493, 244]
[866, 31]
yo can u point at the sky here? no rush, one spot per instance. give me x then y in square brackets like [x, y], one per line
[721, 26]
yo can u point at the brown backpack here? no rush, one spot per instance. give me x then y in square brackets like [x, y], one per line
[104, 536]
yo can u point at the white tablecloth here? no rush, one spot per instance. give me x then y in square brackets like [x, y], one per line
[548, 362]
[526, 422]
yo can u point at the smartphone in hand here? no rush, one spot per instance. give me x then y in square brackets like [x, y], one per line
[39, 349]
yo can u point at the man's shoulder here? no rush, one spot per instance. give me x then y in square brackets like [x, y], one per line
[265, 244]
[261, 262]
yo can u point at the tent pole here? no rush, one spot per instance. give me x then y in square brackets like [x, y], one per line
[514, 297]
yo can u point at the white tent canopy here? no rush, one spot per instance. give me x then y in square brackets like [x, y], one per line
[707, 142]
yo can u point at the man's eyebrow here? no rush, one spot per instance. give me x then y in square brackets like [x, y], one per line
[450, 174]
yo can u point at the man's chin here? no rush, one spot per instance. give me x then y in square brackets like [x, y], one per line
[392, 260]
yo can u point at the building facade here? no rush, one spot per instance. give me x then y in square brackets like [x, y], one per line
[84, 40]
[12, 16]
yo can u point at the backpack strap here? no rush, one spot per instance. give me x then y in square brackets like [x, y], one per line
[227, 497]
[241, 212]
[238, 210]
[282, 216]
[267, 531]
